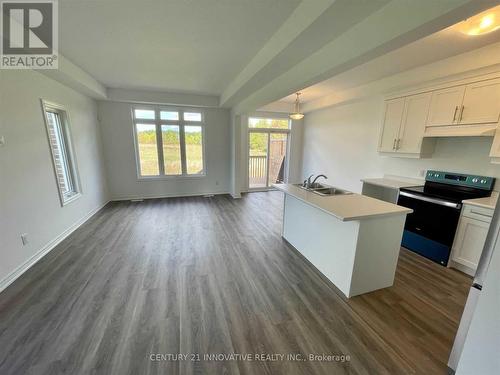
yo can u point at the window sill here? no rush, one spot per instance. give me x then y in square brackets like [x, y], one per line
[171, 178]
[68, 200]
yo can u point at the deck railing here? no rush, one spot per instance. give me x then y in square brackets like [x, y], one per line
[257, 169]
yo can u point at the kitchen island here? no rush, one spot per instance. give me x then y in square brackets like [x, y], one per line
[354, 240]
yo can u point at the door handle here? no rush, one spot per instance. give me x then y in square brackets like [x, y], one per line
[398, 143]
[455, 113]
[394, 144]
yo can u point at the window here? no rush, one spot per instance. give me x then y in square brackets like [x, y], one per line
[63, 158]
[146, 142]
[169, 142]
[268, 123]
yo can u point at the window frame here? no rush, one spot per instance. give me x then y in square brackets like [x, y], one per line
[158, 122]
[68, 149]
[274, 117]
[269, 131]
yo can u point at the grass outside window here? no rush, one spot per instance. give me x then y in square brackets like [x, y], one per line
[169, 149]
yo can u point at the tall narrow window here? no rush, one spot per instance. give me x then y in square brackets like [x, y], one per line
[194, 149]
[58, 132]
[148, 153]
[169, 142]
[171, 149]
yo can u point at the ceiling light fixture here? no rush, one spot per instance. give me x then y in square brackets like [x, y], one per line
[482, 23]
[296, 114]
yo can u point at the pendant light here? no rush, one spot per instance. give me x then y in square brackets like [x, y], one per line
[296, 114]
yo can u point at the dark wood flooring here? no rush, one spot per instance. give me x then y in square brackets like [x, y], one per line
[202, 276]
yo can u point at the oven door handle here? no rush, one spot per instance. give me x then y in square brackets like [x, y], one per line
[431, 200]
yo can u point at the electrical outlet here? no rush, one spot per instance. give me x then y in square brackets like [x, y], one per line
[216, 182]
[24, 239]
[2, 140]
[421, 173]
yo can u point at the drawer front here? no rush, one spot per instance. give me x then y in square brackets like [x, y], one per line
[478, 213]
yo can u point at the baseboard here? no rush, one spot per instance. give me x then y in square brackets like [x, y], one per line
[131, 197]
[462, 268]
[14, 275]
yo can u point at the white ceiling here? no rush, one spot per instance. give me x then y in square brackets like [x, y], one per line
[194, 46]
[443, 44]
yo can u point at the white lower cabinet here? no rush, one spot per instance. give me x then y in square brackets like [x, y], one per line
[470, 237]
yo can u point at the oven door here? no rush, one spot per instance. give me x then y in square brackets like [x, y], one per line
[431, 228]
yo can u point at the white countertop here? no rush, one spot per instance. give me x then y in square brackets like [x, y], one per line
[390, 183]
[345, 207]
[486, 202]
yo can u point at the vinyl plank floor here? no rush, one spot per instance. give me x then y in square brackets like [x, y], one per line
[212, 276]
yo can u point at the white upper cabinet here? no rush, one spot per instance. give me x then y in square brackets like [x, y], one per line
[413, 123]
[445, 106]
[392, 121]
[474, 103]
[469, 108]
[481, 103]
[404, 125]
[495, 148]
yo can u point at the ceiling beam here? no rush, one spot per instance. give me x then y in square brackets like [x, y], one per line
[76, 78]
[301, 18]
[162, 97]
[363, 30]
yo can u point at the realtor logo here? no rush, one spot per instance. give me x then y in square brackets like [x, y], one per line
[29, 34]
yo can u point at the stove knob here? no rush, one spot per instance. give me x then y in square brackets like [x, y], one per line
[474, 180]
[483, 181]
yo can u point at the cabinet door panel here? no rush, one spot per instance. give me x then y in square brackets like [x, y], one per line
[495, 146]
[445, 105]
[413, 123]
[481, 102]
[392, 121]
[469, 241]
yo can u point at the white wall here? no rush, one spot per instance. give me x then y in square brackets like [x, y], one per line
[119, 155]
[237, 155]
[29, 200]
[296, 145]
[341, 142]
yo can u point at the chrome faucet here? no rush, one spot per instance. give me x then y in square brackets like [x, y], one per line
[318, 176]
[307, 182]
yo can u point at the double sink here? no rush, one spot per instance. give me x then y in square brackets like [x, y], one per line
[323, 190]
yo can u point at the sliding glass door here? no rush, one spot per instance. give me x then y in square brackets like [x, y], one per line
[267, 152]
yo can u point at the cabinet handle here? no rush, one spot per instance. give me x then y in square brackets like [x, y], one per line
[455, 113]
[461, 113]
[394, 144]
[398, 143]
